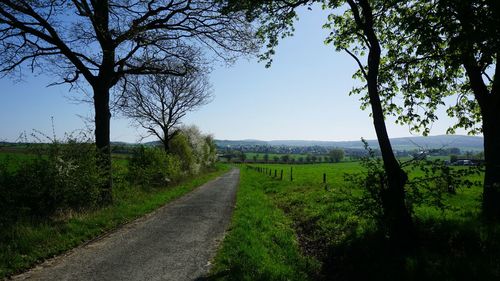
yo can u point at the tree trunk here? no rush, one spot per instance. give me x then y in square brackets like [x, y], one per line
[102, 140]
[166, 140]
[396, 214]
[491, 192]
[166, 145]
[488, 102]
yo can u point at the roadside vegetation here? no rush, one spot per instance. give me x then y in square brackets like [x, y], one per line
[338, 232]
[261, 244]
[49, 195]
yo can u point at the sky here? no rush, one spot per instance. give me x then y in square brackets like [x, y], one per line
[303, 96]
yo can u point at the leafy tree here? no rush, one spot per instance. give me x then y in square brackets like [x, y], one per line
[437, 49]
[276, 159]
[158, 102]
[308, 158]
[285, 158]
[266, 157]
[336, 155]
[453, 158]
[100, 42]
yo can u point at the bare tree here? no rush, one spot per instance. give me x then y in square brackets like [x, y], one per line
[158, 102]
[104, 40]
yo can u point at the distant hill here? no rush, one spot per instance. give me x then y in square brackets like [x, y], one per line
[465, 143]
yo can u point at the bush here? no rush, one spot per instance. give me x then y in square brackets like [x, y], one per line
[180, 147]
[196, 151]
[153, 167]
[54, 177]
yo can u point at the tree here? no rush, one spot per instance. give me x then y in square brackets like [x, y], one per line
[243, 157]
[102, 41]
[449, 48]
[180, 146]
[355, 32]
[159, 102]
[209, 151]
[285, 158]
[266, 157]
[336, 155]
[276, 159]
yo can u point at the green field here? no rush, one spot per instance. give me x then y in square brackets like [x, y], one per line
[336, 241]
[260, 157]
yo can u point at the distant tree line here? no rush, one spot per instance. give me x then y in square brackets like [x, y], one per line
[333, 156]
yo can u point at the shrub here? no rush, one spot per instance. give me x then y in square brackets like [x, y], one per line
[196, 151]
[180, 147]
[54, 177]
[153, 167]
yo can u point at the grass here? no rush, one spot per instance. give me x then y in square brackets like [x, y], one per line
[454, 243]
[29, 242]
[261, 244]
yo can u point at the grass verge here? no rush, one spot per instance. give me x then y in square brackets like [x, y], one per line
[27, 243]
[261, 244]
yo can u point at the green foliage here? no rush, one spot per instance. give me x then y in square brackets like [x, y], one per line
[373, 181]
[433, 179]
[196, 151]
[26, 243]
[430, 184]
[153, 167]
[179, 146]
[285, 158]
[427, 46]
[336, 155]
[209, 152]
[57, 177]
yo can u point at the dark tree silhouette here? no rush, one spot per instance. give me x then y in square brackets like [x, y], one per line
[158, 102]
[393, 195]
[102, 41]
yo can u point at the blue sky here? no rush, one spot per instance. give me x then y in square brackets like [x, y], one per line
[304, 95]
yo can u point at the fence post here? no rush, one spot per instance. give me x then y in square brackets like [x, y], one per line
[291, 173]
[324, 177]
[274, 172]
[281, 176]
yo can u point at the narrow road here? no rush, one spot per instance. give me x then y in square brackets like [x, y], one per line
[174, 243]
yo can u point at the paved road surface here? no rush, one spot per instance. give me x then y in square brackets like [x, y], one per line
[174, 243]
